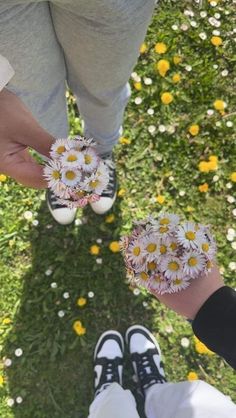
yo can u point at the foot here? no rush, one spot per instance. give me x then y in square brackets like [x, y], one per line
[145, 356]
[61, 213]
[108, 197]
[108, 360]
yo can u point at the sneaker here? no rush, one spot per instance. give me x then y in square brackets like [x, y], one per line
[145, 356]
[108, 197]
[108, 360]
[61, 213]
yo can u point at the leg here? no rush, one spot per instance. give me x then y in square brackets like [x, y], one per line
[101, 40]
[114, 402]
[187, 399]
[29, 42]
[111, 400]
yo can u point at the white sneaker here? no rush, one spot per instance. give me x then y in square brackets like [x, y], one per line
[145, 355]
[108, 197]
[62, 214]
[108, 360]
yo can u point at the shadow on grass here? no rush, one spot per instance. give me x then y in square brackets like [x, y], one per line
[55, 373]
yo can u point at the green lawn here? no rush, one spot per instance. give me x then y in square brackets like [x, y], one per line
[54, 375]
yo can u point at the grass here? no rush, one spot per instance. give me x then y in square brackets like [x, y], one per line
[54, 375]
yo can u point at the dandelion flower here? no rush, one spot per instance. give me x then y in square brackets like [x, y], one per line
[194, 130]
[143, 48]
[203, 188]
[192, 376]
[160, 48]
[81, 302]
[160, 199]
[219, 104]
[163, 67]
[166, 98]
[114, 246]
[79, 328]
[94, 249]
[216, 40]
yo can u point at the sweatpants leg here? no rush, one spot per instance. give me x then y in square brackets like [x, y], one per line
[101, 40]
[114, 402]
[28, 41]
[195, 399]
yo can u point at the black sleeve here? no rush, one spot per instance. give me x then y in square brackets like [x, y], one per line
[215, 324]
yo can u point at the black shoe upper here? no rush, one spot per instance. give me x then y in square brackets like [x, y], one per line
[112, 185]
[52, 201]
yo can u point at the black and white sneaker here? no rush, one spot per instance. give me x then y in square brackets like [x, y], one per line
[145, 356]
[108, 360]
[108, 197]
[61, 213]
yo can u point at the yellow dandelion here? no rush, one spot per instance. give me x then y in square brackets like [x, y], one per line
[176, 78]
[121, 192]
[94, 249]
[194, 130]
[219, 104]
[1, 380]
[203, 188]
[6, 321]
[79, 328]
[167, 98]
[177, 59]
[114, 246]
[3, 178]
[233, 177]
[202, 348]
[160, 48]
[162, 67]
[124, 141]
[110, 218]
[138, 85]
[160, 199]
[216, 40]
[81, 302]
[143, 48]
[192, 376]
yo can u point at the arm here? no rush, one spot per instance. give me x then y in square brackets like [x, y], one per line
[212, 307]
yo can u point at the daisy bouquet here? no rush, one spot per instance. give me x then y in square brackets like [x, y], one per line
[163, 255]
[75, 173]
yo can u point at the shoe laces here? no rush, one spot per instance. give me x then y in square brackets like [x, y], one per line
[111, 187]
[147, 370]
[110, 373]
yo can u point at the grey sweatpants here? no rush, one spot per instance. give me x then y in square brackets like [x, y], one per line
[92, 45]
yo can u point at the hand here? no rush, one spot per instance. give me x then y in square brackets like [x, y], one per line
[18, 131]
[188, 302]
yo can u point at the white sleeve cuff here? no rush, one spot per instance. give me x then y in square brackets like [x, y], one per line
[6, 72]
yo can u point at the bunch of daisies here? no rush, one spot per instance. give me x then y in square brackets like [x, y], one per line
[164, 254]
[75, 173]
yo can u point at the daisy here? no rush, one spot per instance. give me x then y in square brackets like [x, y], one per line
[70, 158]
[59, 147]
[171, 244]
[151, 246]
[158, 284]
[179, 283]
[189, 235]
[193, 263]
[71, 176]
[88, 160]
[52, 173]
[171, 267]
[135, 253]
[95, 184]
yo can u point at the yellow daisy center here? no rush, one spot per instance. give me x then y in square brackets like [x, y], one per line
[190, 235]
[136, 251]
[70, 175]
[151, 248]
[158, 279]
[61, 149]
[163, 249]
[163, 229]
[177, 281]
[192, 261]
[93, 183]
[87, 159]
[173, 246]
[71, 158]
[205, 247]
[151, 265]
[173, 266]
[144, 276]
[164, 221]
[80, 193]
[56, 174]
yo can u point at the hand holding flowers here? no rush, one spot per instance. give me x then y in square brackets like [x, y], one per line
[76, 174]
